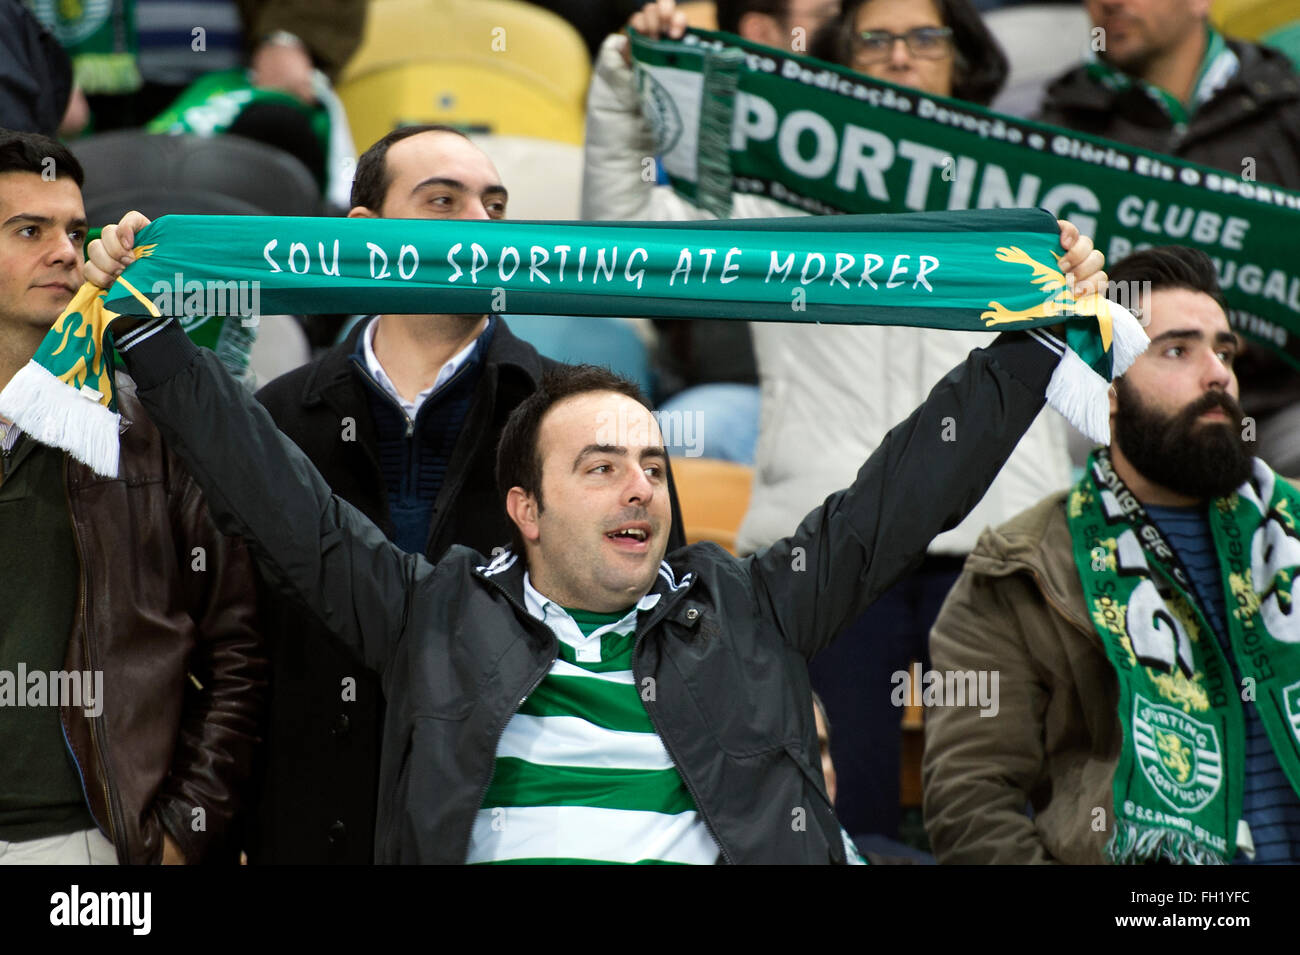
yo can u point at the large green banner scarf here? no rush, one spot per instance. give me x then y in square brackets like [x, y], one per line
[1178, 783]
[732, 116]
[967, 271]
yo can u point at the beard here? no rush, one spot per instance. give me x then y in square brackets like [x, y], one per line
[1199, 459]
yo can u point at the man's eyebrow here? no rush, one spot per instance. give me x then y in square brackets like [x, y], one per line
[77, 223]
[655, 452]
[1178, 333]
[457, 185]
[598, 449]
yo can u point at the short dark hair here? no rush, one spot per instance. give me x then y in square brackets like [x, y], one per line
[1167, 267]
[31, 152]
[371, 182]
[730, 11]
[519, 463]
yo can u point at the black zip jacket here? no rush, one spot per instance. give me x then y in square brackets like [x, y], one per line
[726, 645]
[319, 768]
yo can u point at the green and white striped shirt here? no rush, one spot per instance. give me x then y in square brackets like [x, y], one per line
[581, 775]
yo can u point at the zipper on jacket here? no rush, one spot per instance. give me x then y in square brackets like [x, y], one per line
[655, 617]
[514, 709]
[90, 665]
[396, 405]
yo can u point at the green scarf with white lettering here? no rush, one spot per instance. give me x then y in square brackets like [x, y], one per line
[970, 271]
[99, 36]
[733, 119]
[1179, 779]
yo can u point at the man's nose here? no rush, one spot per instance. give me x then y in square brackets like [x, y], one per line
[1217, 373]
[639, 488]
[63, 251]
[474, 209]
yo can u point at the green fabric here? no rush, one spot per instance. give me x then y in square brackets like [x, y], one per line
[1218, 65]
[601, 694]
[824, 139]
[967, 271]
[1178, 782]
[99, 36]
[589, 621]
[40, 791]
[209, 105]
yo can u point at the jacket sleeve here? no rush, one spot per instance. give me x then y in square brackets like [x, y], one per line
[925, 476]
[309, 543]
[220, 723]
[978, 772]
[617, 172]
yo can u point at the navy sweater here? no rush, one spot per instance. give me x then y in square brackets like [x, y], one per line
[414, 455]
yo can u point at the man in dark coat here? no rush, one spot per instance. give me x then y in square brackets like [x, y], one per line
[402, 419]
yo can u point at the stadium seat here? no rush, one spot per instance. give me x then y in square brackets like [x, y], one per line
[714, 496]
[700, 14]
[471, 95]
[1041, 41]
[609, 342]
[1253, 19]
[265, 178]
[544, 177]
[542, 59]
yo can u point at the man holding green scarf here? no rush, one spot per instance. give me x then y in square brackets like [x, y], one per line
[581, 697]
[1142, 627]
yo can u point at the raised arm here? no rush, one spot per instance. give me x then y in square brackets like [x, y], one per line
[259, 485]
[618, 155]
[925, 476]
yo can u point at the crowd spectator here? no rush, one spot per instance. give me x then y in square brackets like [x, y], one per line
[1037, 780]
[102, 579]
[1164, 79]
[427, 397]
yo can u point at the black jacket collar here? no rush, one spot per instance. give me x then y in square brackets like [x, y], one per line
[1265, 75]
[508, 358]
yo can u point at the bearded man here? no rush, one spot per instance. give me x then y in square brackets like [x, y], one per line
[1141, 627]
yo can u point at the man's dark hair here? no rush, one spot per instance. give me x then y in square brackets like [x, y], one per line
[519, 460]
[1167, 267]
[371, 182]
[730, 11]
[32, 152]
[980, 66]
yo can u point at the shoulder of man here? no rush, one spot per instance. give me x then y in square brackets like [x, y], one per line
[1266, 74]
[1037, 539]
[285, 397]
[1074, 89]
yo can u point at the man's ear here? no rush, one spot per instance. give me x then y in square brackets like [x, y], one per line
[1113, 398]
[522, 508]
[762, 28]
[361, 212]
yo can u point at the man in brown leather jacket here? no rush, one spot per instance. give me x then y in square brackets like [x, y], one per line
[131, 669]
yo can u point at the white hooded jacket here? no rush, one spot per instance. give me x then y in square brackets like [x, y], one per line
[829, 392]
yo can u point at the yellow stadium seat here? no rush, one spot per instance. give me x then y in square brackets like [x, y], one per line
[490, 99]
[1251, 19]
[701, 14]
[529, 40]
[714, 496]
